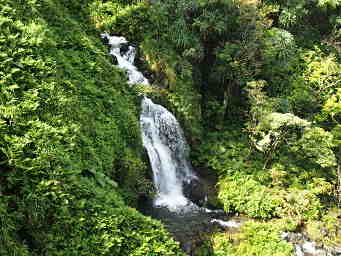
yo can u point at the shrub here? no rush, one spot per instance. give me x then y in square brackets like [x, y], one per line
[254, 239]
[245, 195]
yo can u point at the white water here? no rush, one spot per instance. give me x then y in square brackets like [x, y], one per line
[310, 247]
[226, 224]
[125, 60]
[303, 246]
[162, 137]
[167, 149]
[298, 250]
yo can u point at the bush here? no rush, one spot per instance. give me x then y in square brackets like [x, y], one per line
[129, 19]
[245, 195]
[262, 239]
[254, 239]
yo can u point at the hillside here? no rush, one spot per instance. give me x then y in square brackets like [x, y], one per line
[69, 134]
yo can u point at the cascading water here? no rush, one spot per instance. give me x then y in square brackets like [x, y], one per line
[125, 60]
[162, 137]
[167, 149]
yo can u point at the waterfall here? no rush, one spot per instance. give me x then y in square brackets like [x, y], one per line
[125, 59]
[167, 149]
[162, 137]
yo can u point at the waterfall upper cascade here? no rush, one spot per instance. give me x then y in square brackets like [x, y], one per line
[125, 60]
[162, 137]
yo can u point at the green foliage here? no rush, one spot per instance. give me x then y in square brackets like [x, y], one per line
[323, 74]
[70, 147]
[222, 244]
[317, 144]
[246, 187]
[91, 219]
[245, 195]
[317, 81]
[279, 55]
[332, 107]
[213, 20]
[326, 230]
[255, 239]
[274, 128]
[8, 237]
[227, 153]
[145, 237]
[262, 239]
[255, 85]
[128, 18]
[299, 205]
[301, 16]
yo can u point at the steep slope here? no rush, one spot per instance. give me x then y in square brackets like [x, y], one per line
[69, 128]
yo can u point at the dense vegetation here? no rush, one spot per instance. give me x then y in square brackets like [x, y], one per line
[69, 134]
[255, 84]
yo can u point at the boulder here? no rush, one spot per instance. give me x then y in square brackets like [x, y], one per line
[196, 191]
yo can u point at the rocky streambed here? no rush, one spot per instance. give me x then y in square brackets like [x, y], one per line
[193, 228]
[304, 246]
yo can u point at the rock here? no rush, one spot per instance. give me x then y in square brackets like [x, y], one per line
[187, 247]
[305, 246]
[104, 40]
[114, 60]
[195, 191]
[310, 247]
[334, 250]
[298, 250]
[124, 48]
[337, 250]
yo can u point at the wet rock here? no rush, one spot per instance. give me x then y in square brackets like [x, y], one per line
[195, 191]
[293, 237]
[114, 60]
[310, 248]
[298, 250]
[187, 247]
[334, 251]
[105, 40]
[124, 48]
[337, 250]
[304, 246]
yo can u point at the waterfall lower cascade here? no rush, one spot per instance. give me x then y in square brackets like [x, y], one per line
[167, 149]
[162, 137]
